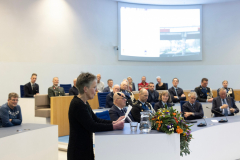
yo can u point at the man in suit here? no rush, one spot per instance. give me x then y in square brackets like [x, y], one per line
[100, 84]
[73, 90]
[223, 105]
[128, 95]
[31, 89]
[176, 92]
[109, 98]
[109, 87]
[153, 95]
[55, 90]
[204, 93]
[192, 109]
[118, 109]
[141, 105]
[143, 84]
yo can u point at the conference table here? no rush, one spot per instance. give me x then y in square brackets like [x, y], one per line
[29, 142]
[216, 141]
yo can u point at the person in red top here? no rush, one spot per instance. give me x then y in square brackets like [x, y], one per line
[143, 84]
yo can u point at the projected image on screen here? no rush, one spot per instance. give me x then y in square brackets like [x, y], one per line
[159, 34]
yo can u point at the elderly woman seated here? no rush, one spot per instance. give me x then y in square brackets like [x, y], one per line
[229, 91]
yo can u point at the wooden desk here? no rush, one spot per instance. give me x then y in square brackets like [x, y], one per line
[59, 112]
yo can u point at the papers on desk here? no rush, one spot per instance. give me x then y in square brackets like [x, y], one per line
[216, 121]
[128, 110]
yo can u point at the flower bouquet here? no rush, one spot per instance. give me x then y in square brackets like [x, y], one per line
[169, 120]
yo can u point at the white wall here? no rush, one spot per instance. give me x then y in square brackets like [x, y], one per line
[62, 38]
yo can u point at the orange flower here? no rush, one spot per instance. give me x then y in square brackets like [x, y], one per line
[174, 114]
[179, 130]
[176, 119]
[161, 122]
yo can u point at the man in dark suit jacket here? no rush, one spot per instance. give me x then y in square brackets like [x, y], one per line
[153, 95]
[176, 92]
[118, 109]
[31, 88]
[109, 87]
[73, 90]
[223, 105]
[204, 93]
[192, 109]
[109, 98]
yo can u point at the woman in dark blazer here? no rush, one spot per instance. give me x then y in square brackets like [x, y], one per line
[131, 84]
[164, 98]
[230, 92]
[160, 85]
[83, 122]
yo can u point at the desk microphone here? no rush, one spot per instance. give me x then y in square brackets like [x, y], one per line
[222, 120]
[202, 124]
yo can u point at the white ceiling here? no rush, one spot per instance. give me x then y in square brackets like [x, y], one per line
[175, 2]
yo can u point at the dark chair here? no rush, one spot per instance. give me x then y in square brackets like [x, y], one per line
[181, 104]
[22, 91]
[66, 87]
[103, 115]
[167, 85]
[102, 99]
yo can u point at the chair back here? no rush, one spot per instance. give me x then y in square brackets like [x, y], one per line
[66, 87]
[22, 91]
[167, 85]
[103, 115]
[181, 104]
[102, 98]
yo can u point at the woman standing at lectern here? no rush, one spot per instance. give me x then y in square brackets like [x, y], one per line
[83, 122]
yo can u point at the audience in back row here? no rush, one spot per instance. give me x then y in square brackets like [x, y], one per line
[100, 84]
[10, 112]
[176, 92]
[229, 91]
[128, 95]
[109, 98]
[152, 94]
[131, 84]
[118, 110]
[31, 89]
[160, 85]
[73, 90]
[55, 90]
[143, 84]
[204, 93]
[192, 109]
[109, 87]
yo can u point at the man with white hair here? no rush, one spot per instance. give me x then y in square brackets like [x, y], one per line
[118, 110]
[128, 94]
[141, 105]
[73, 90]
[109, 98]
[223, 105]
[55, 90]
[100, 84]
[192, 109]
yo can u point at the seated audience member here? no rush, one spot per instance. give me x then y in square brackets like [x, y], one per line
[10, 112]
[176, 92]
[192, 109]
[160, 85]
[230, 92]
[55, 90]
[31, 89]
[204, 93]
[143, 84]
[73, 90]
[164, 99]
[131, 84]
[109, 87]
[141, 105]
[223, 105]
[109, 98]
[128, 95]
[118, 109]
[152, 94]
[100, 84]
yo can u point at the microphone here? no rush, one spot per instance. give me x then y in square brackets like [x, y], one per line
[202, 124]
[222, 120]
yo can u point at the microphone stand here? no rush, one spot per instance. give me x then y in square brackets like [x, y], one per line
[222, 120]
[202, 124]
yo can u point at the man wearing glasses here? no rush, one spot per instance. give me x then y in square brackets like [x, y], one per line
[10, 112]
[118, 110]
